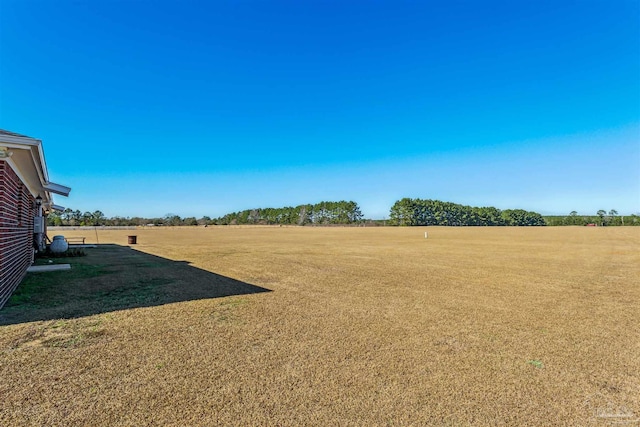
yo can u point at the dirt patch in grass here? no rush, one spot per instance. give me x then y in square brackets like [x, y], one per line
[472, 326]
[59, 333]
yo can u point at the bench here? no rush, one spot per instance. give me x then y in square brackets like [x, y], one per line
[75, 240]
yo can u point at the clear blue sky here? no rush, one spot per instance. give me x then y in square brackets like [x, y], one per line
[202, 107]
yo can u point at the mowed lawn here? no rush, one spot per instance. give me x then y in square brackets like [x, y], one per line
[332, 326]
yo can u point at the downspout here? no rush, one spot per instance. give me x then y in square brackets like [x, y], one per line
[39, 227]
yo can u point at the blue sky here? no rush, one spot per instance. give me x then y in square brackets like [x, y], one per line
[202, 108]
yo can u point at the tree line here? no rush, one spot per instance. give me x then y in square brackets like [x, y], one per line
[601, 218]
[323, 213]
[70, 217]
[404, 212]
[435, 212]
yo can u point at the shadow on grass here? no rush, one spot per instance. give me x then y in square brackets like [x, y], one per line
[110, 278]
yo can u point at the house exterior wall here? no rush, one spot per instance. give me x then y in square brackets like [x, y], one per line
[17, 211]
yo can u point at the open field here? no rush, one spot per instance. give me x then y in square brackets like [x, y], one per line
[362, 326]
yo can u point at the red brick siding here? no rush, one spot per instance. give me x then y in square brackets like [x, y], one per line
[16, 231]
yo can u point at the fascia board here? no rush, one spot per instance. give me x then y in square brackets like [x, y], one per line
[19, 141]
[43, 162]
[42, 170]
[57, 188]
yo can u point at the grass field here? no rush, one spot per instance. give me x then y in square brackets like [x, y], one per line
[330, 326]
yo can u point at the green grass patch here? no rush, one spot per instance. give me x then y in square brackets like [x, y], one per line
[537, 363]
[46, 289]
[141, 291]
[111, 278]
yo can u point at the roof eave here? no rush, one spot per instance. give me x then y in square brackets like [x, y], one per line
[37, 154]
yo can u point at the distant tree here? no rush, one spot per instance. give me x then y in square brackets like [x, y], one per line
[520, 217]
[403, 212]
[601, 213]
[76, 217]
[254, 216]
[117, 221]
[86, 219]
[136, 220]
[486, 216]
[304, 214]
[205, 220]
[243, 217]
[354, 215]
[66, 216]
[228, 219]
[54, 219]
[190, 221]
[573, 218]
[98, 218]
[172, 219]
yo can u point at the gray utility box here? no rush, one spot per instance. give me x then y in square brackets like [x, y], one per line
[38, 224]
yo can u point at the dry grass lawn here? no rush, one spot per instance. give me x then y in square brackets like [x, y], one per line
[363, 326]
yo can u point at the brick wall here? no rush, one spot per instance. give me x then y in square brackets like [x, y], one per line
[16, 231]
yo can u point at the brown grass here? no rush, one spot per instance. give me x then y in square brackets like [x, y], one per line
[365, 326]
